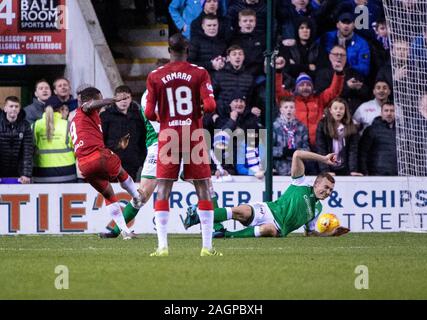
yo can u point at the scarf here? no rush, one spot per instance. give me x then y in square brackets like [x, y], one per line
[384, 42]
[290, 129]
[339, 144]
[342, 41]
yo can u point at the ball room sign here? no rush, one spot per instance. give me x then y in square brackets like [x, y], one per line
[33, 26]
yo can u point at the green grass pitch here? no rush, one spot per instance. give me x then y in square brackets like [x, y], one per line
[284, 268]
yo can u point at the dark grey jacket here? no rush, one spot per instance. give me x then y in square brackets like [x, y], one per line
[377, 149]
[16, 147]
[34, 111]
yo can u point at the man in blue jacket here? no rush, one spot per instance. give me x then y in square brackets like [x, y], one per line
[358, 52]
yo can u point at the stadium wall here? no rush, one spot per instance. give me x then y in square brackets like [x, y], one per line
[365, 204]
[89, 59]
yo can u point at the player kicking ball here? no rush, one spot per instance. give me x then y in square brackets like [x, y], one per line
[299, 205]
[98, 164]
[148, 182]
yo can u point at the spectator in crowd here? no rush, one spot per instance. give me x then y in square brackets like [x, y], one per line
[239, 115]
[259, 6]
[304, 55]
[122, 123]
[327, 13]
[62, 89]
[54, 160]
[359, 7]
[310, 106]
[42, 92]
[242, 122]
[400, 51]
[414, 141]
[212, 7]
[16, 143]
[418, 52]
[377, 147]
[252, 42]
[355, 90]
[380, 47]
[288, 19]
[223, 157]
[414, 11]
[249, 153]
[368, 111]
[233, 76]
[208, 50]
[183, 13]
[421, 144]
[336, 133]
[381, 33]
[289, 135]
[358, 52]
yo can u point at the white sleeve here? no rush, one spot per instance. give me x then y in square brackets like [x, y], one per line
[299, 181]
[311, 225]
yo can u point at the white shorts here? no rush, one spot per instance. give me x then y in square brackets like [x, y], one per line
[150, 164]
[262, 215]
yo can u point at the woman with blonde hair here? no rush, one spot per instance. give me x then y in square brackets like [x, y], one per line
[337, 133]
[54, 160]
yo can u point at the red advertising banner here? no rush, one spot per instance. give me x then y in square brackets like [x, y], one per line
[32, 26]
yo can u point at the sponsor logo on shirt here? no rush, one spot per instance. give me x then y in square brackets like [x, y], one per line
[78, 145]
[180, 123]
[309, 211]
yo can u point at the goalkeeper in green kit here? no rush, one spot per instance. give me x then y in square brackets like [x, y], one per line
[298, 206]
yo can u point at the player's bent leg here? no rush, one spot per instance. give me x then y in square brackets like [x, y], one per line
[243, 214]
[265, 230]
[192, 218]
[268, 230]
[127, 183]
[113, 207]
[248, 232]
[146, 189]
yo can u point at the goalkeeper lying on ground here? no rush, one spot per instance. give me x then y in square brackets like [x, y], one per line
[298, 206]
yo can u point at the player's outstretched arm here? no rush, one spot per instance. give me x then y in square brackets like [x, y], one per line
[97, 104]
[298, 169]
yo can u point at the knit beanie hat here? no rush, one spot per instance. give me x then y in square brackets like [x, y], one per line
[303, 77]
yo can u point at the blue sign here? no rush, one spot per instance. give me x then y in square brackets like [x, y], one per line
[13, 60]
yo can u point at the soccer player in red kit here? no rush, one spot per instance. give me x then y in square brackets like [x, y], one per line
[179, 88]
[99, 165]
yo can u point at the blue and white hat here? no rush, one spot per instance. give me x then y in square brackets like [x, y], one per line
[303, 77]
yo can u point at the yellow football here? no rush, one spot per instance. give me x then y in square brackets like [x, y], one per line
[327, 222]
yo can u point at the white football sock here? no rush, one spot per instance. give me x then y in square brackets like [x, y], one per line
[161, 219]
[116, 213]
[206, 221]
[129, 186]
[229, 213]
[257, 231]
